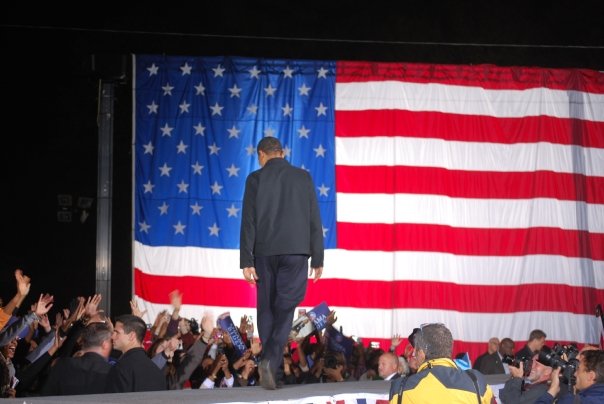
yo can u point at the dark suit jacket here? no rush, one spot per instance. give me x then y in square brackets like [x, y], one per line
[280, 215]
[135, 372]
[491, 365]
[74, 376]
[525, 352]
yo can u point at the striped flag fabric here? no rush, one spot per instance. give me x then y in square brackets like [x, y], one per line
[466, 195]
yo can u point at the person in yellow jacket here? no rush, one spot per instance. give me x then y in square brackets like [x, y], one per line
[438, 379]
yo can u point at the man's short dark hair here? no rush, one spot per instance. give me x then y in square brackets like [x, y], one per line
[95, 334]
[435, 340]
[594, 361]
[537, 334]
[133, 323]
[269, 145]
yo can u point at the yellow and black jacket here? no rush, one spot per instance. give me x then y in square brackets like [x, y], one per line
[441, 381]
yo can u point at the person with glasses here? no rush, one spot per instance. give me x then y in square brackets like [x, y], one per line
[438, 379]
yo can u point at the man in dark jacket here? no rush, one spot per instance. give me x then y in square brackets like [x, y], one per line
[589, 381]
[134, 371]
[86, 373]
[280, 229]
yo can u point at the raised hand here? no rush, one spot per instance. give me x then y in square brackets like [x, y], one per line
[91, 308]
[395, 340]
[45, 322]
[44, 304]
[176, 299]
[23, 283]
[135, 309]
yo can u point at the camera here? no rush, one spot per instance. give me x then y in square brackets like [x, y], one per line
[563, 357]
[330, 361]
[527, 363]
[194, 326]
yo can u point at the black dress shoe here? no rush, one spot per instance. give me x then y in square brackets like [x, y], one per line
[267, 376]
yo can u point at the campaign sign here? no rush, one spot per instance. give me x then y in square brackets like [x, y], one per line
[226, 324]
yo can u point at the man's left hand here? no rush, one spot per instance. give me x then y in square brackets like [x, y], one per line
[318, 272]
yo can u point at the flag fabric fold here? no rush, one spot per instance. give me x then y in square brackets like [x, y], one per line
[467, 195]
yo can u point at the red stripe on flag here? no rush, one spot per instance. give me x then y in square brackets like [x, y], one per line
[196, 290]
[484, 76]
[469, 128]
[470, 241]
[380, 294]
[497, 185]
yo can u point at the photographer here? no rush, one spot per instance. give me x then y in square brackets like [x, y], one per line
[329, 368]
[526, 387]
[589, 381]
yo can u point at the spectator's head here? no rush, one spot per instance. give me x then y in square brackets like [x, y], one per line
[184, 326]
[403, 366]
[590, 370]
[411, 336]
[539, 372]
[268, 147]
[506, 347]
[536, 340]
[129, 332]
[96, 337]
[8, 350]
[493, 345]
[433, 341]
[387, 364]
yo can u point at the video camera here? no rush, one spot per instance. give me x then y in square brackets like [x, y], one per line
[527, 363]
[563, 357]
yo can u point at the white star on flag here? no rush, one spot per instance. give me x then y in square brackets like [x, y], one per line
[214, 229]
[153, 69]
[179, 228]
[167, 89]
[186, 69]
[323, 190]
[165, 170]
[218, 71]
[144, 227]
[232, 210]
[163, 209]
[196, 209]
[183, 187]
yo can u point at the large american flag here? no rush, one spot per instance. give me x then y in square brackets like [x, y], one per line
[466, 195]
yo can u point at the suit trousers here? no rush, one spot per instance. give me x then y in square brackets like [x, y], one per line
[281, 286]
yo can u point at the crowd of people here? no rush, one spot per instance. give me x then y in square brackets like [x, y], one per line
[84, 352]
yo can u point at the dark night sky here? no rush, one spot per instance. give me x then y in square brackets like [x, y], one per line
[50, 81]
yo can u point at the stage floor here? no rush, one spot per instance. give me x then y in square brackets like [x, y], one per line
[347, 392]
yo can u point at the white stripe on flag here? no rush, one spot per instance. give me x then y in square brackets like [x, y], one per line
[471, 156]
[408, 265]
[467, 327]
[468, 100]
[466, 212]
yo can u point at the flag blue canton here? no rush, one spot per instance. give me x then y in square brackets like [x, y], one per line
[197, 122]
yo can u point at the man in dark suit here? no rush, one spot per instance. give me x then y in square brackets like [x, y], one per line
[491, 349]
[86, 373]
[280, 229]
[492, 364]
[134, 371]
[388, 366]
[534, 344]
